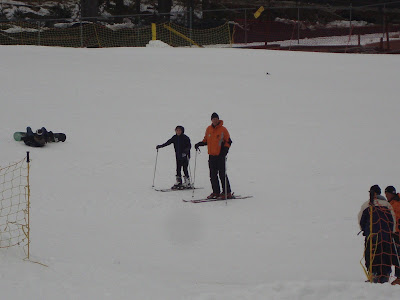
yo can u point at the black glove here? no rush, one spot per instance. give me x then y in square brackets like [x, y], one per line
[158, 147]
[224, 151]
[198, 145]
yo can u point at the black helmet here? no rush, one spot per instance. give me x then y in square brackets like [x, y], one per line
[376, 189]
[39, 132]
[390, 189]
[214, 115]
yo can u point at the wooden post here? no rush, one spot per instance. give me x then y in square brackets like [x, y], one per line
[387, 34]
[28, 205]
[153, 31]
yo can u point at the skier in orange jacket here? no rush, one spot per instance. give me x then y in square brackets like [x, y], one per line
[218, 142]
[394, 200]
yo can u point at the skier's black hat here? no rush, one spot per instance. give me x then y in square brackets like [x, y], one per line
[181, 128]
[376, 189]
[214, 115]
[390, 189]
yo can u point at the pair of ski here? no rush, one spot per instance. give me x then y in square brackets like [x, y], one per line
[181, 188]
[201, 200]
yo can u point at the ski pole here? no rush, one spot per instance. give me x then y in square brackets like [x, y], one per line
[226, 187]
[154, 177]
[397, 254]
[190, 174]
[194, 173]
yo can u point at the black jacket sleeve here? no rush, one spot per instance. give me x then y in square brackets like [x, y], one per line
[167, 143]
[34, 141]
[187, 145]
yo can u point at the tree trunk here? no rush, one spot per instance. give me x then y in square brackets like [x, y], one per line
[119, 6]
[164, 7]
[137, 6]
[190, 10]
[205, 4]
[89, 8]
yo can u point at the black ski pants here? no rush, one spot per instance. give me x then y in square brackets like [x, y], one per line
[216, 163]
[382, 255]
[182, 163]
[396, 254]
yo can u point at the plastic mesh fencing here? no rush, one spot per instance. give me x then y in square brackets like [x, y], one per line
[97, 35]
[381, 248]
[14, 205]
[178, 36]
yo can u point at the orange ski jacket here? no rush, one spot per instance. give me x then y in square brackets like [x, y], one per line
[396, 207]
[216, 138]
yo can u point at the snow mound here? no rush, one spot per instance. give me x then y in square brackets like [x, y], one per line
[346, 24]
[158, 44]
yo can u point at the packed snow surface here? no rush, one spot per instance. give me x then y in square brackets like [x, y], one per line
[311, 133]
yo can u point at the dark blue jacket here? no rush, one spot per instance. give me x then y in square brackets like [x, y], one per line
[383, 220]
[181, 144]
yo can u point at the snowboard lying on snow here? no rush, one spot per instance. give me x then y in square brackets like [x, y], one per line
[57, 137]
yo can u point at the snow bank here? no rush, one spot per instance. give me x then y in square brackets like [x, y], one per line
[157, 44]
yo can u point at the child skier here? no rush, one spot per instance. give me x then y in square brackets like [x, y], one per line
[182, 153]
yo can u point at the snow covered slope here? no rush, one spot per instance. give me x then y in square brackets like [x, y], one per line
[309, 139]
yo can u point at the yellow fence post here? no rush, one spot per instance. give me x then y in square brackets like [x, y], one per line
[181, 35]
[28, 205]
[97, 36]
[153, 31]
[258, 12]
[229, 34]
[370, 243]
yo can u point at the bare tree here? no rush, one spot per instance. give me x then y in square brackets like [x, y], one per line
[205, 5]
[89, 8]
[164, 7]
[137, 6]
[119, 6]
